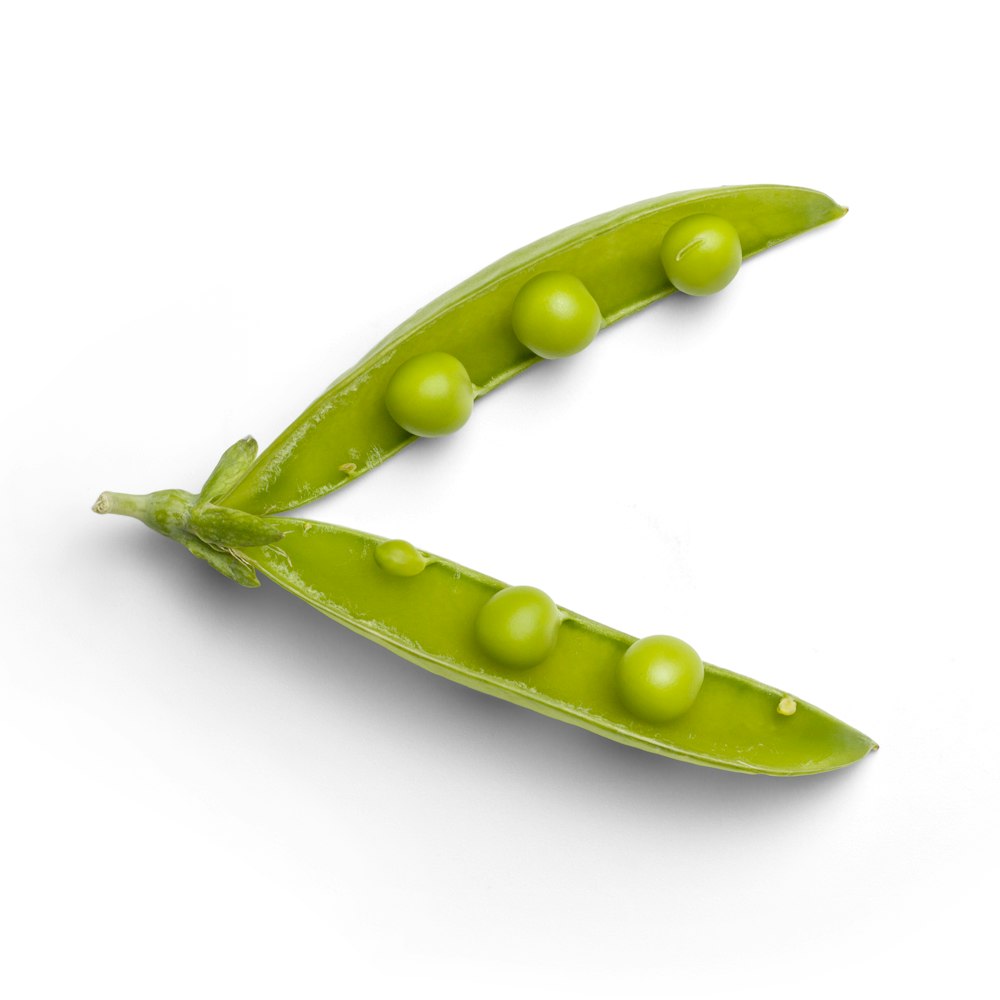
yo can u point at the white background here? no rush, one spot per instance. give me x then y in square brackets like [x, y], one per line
[209, 210]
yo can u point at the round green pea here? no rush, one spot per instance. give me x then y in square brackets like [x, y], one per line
[399, 558]
[701, 254]
[555, 316]
[430, 395]
[518, 626]
[659, 678]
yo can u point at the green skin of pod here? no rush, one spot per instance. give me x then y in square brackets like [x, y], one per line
[430, 619]
[348, 429]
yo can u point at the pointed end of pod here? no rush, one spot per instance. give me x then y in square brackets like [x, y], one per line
[865, 746]
[870, 745]
[831, 209]
[834, 210]
[866, 749]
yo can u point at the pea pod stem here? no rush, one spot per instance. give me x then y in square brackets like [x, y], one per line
[348, 430]
[208, 531]
[125, 504]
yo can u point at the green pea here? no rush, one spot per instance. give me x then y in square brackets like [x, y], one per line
[555, 316]
[518, 626]
[659, 678]
[701, 254]
[399, 558]
[430, 395]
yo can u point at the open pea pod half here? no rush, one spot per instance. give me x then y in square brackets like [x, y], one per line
[429, 618]
[430, 610]
[348, 430]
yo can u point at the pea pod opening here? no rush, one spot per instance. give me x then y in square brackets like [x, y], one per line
[348, 430]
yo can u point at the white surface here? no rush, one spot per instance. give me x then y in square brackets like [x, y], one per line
[211, 209]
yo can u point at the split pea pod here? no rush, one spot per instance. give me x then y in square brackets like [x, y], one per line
[429, 611]
[467, 339]
[511, 642]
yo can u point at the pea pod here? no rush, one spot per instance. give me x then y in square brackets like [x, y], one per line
[429, 618]
[349, 430]
[548, 300]
[431, 611]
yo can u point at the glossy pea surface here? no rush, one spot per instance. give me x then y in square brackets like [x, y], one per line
[701, 254]
[399, 557]
[518, 626]
[430, 395]
[555, 316]
[430, 618]
[348, 430]
[659, 678]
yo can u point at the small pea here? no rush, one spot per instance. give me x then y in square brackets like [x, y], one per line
[659, 678]
[787, 705]
[518, 626]
[701, 254]
[430, 395]
[554, 315]
[399, 558]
